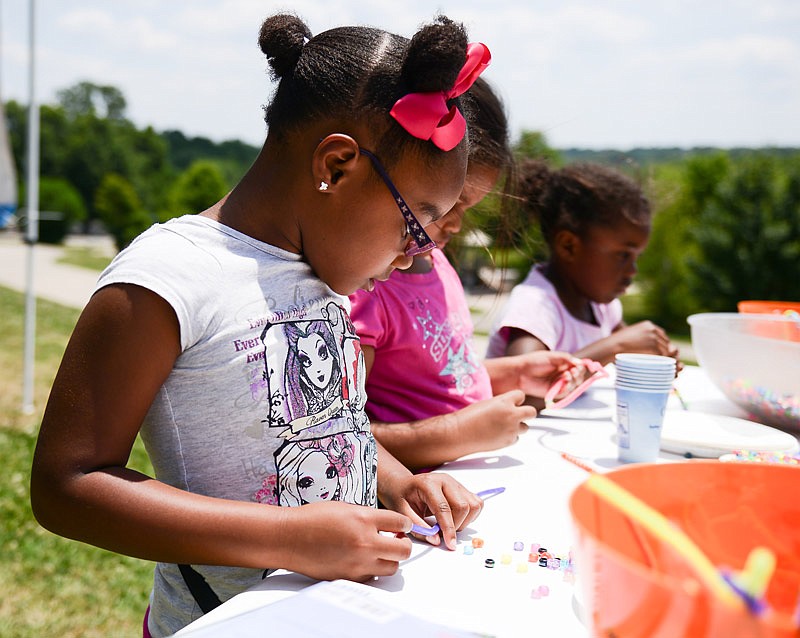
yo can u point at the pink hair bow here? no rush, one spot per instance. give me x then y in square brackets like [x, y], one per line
[426, 115]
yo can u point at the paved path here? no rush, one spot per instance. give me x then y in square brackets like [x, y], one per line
[62, 283]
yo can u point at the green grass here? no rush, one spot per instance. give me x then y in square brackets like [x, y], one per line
[85, 257]
[52, 586]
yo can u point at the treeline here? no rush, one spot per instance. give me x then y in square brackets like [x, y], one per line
[96, 165]
[662, 155]
[726, 225]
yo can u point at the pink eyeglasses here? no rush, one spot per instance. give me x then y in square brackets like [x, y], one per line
[563, 381]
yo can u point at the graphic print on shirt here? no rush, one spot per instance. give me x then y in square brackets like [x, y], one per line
[447, 343]
[314, 368]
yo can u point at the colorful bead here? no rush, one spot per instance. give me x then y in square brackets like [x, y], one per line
[522, 568]
[505, 559]
[469, 549]
[540, 592]
[518, 546]
[489, 562]
[477, 542]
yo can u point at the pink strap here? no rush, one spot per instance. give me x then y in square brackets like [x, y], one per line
[598, 372]
[426, 115]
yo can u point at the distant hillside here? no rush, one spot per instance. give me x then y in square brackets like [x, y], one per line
[182, 150]
[644, 156]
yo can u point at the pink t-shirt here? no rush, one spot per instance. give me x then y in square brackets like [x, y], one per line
[420, 327]
[534, 306]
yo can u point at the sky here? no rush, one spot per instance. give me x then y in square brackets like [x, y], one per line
[592, 74]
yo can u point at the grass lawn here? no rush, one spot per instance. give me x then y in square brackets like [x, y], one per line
[85, 257]
[52, 586]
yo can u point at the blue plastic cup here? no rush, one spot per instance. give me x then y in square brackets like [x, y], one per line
[640, 416]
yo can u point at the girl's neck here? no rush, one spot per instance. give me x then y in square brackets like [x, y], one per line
[576, 303]
[250, 207]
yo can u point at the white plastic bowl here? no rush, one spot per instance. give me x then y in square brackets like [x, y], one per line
[754, 360]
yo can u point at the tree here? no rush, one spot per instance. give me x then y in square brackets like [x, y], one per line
[533, 144]
[681, 192]
[748, 236]
[119, 208]
[86, 98]
[197, 188]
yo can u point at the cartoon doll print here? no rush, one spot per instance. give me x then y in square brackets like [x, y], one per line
[314, 371]
[323, 447]
[319, 470]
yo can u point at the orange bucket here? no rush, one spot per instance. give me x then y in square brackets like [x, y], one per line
[637, 586]
[789, 331]
[768, 307]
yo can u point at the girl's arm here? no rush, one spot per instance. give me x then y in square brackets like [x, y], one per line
[122, 349]
[644, 337]
[532, 372]
[486, 425]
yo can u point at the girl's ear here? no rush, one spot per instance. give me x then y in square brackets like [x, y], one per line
[334, 159]
[566, 245]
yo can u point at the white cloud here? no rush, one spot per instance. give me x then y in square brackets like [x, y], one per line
[603, 73]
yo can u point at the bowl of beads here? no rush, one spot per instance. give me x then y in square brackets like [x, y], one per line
[696, 548]
[754, 359]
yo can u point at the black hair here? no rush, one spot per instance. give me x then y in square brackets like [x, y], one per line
[579, 196]
[358, 72]
[488, 127]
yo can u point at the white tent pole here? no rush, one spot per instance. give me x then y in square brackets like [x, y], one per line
[32, 230]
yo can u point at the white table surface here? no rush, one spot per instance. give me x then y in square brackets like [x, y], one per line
[455, 589]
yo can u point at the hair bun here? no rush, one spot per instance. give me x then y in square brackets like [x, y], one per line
[535, 182]
[282, 38]
[435, 56]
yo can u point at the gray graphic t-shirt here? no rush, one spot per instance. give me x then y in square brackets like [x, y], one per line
[265, 402]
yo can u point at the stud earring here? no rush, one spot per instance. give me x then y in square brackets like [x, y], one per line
[323, 186]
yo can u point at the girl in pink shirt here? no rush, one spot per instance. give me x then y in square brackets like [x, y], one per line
[430, 398]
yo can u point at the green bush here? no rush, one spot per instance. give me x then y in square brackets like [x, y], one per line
[119, 208]
[748, 236]
[198, 187]
[60, 208]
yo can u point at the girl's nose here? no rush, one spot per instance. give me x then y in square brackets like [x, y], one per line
[451, 223]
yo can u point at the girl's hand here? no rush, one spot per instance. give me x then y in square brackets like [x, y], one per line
[332, 540]
[647, 338]
[495, 422]
[435, 494]
[540, 369]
